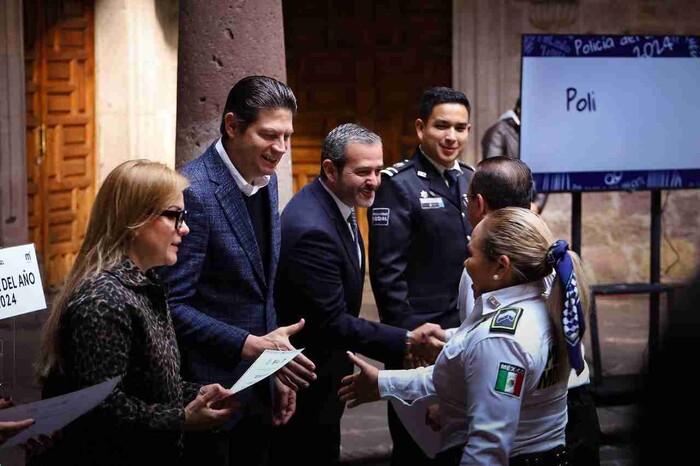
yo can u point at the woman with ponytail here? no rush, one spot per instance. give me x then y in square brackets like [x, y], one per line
[501, 382]
[111, 319]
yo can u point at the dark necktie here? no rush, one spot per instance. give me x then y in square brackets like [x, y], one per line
[451, 177]
[352, 221]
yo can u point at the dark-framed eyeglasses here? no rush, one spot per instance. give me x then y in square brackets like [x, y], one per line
[180, 216]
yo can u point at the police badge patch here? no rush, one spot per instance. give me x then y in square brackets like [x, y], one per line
[506, 320]
[380, 217]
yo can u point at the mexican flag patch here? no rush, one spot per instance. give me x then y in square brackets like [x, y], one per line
[510, 379]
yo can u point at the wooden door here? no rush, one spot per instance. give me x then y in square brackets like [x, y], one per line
[362, 62]
[59, 59]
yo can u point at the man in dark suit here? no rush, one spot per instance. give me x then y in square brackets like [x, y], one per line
[419, 233]
[221, 290]
[320, 278]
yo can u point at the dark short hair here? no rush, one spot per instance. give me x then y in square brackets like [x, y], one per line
[336, 142]
[441, 95]
[503, 182]
[253, 93]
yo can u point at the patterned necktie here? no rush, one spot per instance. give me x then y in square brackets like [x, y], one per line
[451, 177]
[352, 220]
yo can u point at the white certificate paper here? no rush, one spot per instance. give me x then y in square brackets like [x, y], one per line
[269, 362]
[413, 419]
[55, 413]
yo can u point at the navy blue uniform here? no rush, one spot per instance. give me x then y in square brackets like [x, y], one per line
[418, 237]
[418, 244]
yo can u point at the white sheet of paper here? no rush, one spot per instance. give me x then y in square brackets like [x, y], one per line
[413, 419]
[269, 362]
[20, 282]
[55, 413]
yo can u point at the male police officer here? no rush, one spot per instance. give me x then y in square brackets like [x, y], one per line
[419, 233]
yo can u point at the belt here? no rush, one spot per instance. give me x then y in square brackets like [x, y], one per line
[557, 456]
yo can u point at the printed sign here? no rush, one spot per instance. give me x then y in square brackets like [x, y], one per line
[21, 290]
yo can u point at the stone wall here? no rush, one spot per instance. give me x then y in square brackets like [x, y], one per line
[616, 225]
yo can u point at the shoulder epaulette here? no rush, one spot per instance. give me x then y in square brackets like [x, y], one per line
[397, 167]
[466, 165]
[506, 320]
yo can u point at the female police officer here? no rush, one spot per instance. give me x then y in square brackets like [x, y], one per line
[501, 382]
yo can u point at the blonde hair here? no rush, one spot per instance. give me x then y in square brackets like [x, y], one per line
[132, 195]
[523, 237]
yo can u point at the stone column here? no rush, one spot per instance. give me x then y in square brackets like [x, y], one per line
[13, 173]
[220, 42]
[486, 60]
[135, 81]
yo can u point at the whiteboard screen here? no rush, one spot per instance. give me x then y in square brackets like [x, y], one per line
[611, 112]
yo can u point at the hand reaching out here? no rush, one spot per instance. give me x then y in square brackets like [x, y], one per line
[360, 387]
[299, 372]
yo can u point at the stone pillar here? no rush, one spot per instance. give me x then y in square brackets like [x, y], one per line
[13, 173]
[485, 62]
[220, 42]
[135, 81]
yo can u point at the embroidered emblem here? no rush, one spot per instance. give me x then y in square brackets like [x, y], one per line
[510, 379]
[422, 174]
[423, 194]
[380, 217]
[506, 320]
[493, 302]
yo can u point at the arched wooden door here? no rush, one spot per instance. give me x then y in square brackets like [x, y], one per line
[59, 59]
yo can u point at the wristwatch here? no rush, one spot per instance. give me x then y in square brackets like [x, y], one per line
[409, 338]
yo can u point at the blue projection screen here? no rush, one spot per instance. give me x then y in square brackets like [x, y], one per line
[611, 112]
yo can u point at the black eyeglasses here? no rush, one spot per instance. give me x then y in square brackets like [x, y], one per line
[180, 216]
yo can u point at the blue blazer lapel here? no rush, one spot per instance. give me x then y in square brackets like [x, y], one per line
[231, 201]
[339, 223]
[274, 227]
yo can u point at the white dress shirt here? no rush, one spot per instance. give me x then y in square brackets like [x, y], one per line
[345, 211]
[246, 188]
[492, 425]
[441, 168]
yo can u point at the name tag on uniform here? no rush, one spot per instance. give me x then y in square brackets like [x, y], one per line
[380, 217]
[432, 203]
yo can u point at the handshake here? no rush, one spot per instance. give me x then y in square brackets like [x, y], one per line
[424, 345]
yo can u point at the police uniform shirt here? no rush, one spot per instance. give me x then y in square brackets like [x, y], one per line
[418, 235]
[465, 304]
[507, 403]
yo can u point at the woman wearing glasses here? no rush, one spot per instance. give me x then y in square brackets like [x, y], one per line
[111, 319]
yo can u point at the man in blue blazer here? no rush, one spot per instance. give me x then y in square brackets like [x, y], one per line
[221, 290]
[320, 278]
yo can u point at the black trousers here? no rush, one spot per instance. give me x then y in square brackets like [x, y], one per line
[247, 443]
[405, 450]
[582, 428]
[306, 440]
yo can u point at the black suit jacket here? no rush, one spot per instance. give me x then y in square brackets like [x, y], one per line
[319, 278]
